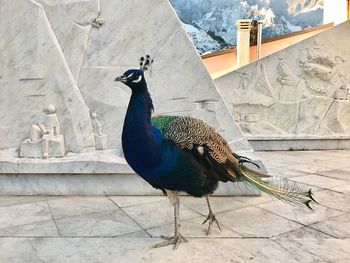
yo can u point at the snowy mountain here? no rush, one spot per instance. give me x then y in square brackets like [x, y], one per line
[202, 39]
[211, 23]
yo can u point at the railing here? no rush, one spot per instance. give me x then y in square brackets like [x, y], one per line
[292, 34]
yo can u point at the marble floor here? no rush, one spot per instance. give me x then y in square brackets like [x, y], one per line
[124, 228]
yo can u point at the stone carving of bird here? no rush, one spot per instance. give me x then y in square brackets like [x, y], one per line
[184, 154]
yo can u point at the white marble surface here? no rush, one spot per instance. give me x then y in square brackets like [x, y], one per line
[96, 162]
[139, 250]
[35, 73]
[95, 184]
[178, 81]
[51, 53]
[90, 173]
[299, 93]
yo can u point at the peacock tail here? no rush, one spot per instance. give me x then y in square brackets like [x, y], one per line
[194, 135]
[281, 188]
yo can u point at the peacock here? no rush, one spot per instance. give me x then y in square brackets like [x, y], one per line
[184, 154]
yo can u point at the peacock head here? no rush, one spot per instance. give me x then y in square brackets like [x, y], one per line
[134, 78]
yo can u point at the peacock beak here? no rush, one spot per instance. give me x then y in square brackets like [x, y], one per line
[121, 78]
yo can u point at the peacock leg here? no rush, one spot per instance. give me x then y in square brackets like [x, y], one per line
[211, 217]
[177, 238]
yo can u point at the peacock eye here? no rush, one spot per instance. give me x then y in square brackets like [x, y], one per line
[138, 79]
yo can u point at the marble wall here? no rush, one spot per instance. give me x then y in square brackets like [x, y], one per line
[67, 54]
[301, 92]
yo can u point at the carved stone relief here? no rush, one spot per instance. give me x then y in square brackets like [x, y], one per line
[302, 91]
[46, 140]
[100, 138]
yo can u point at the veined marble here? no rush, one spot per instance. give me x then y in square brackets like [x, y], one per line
[35, 73]
[67, 53]
[58, 57]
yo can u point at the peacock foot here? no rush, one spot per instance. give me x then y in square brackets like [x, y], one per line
[211, 218]
[176, 240]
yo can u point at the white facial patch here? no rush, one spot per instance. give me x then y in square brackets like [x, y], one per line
[138, 79]
[129, 76]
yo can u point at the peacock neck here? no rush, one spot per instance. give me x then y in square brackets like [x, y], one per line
[139, 112]
[140, 147]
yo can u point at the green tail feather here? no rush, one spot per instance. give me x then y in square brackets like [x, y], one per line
[289, 192]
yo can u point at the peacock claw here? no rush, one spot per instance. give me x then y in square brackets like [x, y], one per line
[176, 240]
[211, 218]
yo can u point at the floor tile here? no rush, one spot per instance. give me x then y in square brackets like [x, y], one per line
[102, 224]
[285, 172]
[157, 213]
[319, 181]
[308, 168]
[255, 200]
[32, 219]
[317, 250]
[333, 199]
[24, 214]
[78, 205]
[303, 233]
[218, 204]
[196, 250]
[254, 229]
[300, 214]
[338, 227]
[255, 222]
[123, 201]
[17, 200]
[347, 167]
[37, 229]
[330, 163]
[194, 228]
[138, 234]
[345, 188]
[337, 174]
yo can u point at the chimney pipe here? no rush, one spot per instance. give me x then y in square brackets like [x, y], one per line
[243, 41]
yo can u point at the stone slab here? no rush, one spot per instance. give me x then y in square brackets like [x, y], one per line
[302, 215]
[32, 219]
[91, 173]
[337, 226]
[194, 228]
[104, 224]
[97, 162]
[94, 184]
[197, 250]
[295, 98]
[286, 144]
[253, 222]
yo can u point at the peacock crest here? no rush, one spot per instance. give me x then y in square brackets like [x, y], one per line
[145, 62]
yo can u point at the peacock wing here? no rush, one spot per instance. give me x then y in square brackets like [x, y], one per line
[188, 133]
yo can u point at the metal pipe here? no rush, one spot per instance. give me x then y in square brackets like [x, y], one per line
[258, 44]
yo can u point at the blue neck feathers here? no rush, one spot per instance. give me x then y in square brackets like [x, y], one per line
[141, 149]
